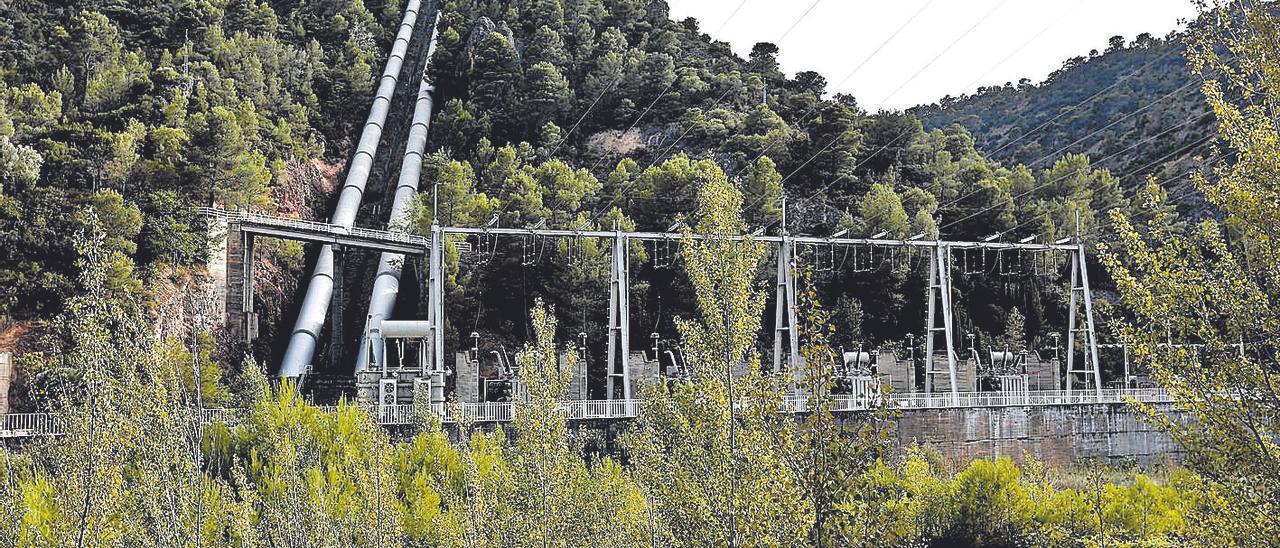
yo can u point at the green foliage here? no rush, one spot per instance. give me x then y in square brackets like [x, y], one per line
[1130, 75]
[137, 466]
[116, 123]
[548, 91]
[1212, 289]
[764, 186]
[714, 450]
[831, 457]
[998, 503]
[1015, 332]
[882, 210]
[535, 489]
[170, 106]
[127, 470]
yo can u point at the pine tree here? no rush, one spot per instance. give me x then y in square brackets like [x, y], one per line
[495, 74]
[882, 211]
[546, 93]
[546, 46]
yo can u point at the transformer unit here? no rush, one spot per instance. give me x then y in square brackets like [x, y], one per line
[398, 359]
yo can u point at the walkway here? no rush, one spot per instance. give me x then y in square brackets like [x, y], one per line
[26, 425]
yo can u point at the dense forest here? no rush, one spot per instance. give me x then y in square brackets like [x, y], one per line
[119, 121]
[587, 113]
[568, 113]
[149, 110]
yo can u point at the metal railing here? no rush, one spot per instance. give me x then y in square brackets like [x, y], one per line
[23, 425]
[1029, 398]
[862, 401]
[318, 227]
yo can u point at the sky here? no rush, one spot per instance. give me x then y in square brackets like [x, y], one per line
[941, 47]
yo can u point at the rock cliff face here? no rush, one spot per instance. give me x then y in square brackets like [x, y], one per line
[483, 27]
[304, 193]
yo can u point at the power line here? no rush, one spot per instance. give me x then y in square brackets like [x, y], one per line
[616, 78]
[1087, 100]
[797, 21]
[941, 53]
[885, 43]
[1056, 180]
[717, 103]
[1056, 153]
[814, 107]
[673, 81]
[895, 92]
[1131, 114]
[692, 123]
[732, 14]
[635, 123]
[1078, 105]
[957, 200]
[1096, 231]
[1024, 45]
[1053, 181]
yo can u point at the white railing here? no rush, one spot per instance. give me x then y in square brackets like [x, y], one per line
[481, 412]
[21, 425]
[316, 226]
[1028, 398]
[401, 414]
[602, 409]
[865, 400]
[221, 415]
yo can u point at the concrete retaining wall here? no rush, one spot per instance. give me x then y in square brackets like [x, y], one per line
[1058, 435]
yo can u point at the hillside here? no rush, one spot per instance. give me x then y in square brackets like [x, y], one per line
[581, 113]
[1133, 108]
[146, 110]
[134, 411]
[569, 113]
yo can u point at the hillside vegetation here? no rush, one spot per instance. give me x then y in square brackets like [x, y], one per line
[148, 109]
[117, 122]
[575, 113]
[1131, 107]
[591, 113]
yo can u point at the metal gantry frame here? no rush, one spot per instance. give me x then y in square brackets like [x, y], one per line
[786, 334]
[786, 330]
[1081, 293]
[435, 296]
[784, 319]
[619, 316]
[940, 297]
